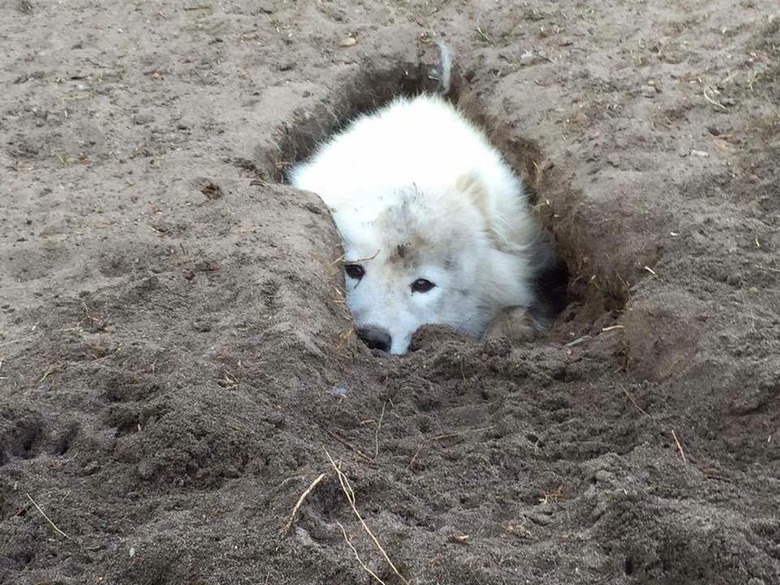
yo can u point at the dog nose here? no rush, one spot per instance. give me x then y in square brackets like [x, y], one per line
[375, 337]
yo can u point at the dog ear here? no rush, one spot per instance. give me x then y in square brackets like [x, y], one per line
[512, 234]
[471, 186]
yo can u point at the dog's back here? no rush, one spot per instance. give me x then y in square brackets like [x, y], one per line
[422, 141]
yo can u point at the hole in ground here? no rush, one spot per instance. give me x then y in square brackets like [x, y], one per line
[22, 432]
[567, 291]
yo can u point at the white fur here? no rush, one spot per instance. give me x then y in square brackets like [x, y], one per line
[417, 191]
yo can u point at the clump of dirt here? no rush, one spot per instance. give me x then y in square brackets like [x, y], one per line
[176, 363]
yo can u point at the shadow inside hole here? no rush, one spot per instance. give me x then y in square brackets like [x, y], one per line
[551, 286]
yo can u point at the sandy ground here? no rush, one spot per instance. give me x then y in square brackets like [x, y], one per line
[175, 364]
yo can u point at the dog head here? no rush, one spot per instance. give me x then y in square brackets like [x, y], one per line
[425, 258]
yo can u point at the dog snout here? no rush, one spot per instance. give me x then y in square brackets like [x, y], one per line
[375, 337]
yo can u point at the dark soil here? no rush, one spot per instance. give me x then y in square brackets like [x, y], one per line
[176, 363]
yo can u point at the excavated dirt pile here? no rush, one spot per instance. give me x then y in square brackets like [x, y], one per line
[176, 364]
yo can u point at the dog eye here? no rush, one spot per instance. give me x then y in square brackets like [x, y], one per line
[422, 286]
[354, 271]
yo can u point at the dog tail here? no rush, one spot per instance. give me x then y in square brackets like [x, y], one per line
[443, 72]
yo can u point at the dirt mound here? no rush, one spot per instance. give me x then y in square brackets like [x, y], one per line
[176, 363]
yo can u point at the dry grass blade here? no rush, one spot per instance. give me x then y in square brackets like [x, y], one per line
[345, 336]
[53, 525]
[49, 371]
[14, 341]
[634, 402]
[357, 556]
[350, 495]
[374, 255]
[298, 504]
[715, 103]
[679, 448]
[350, 446]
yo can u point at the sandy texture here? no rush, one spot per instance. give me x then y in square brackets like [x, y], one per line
[175, 360]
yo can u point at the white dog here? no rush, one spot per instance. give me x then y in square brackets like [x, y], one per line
[436, 227]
